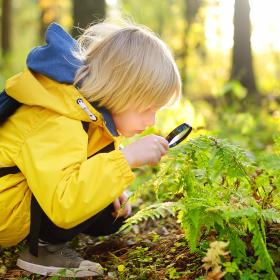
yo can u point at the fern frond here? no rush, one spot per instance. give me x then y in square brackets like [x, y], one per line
[154, 211]
[271, 215]
[222, 190]
[264, 261]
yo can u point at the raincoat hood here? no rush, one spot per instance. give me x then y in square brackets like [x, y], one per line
[56, 59]
[48, 81]
[34, 89]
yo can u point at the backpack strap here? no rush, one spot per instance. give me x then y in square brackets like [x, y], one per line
[36, 213]
[8, 170]
[8, 106]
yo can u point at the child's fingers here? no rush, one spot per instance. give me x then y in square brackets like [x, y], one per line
[163, 142]
[162, 150]
[127, 210]
[121, 206]
[123, 198]
[117, 206]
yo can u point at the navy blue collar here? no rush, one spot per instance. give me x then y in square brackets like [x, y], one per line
[109, 122]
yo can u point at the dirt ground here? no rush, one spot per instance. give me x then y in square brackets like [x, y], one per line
[153, 250]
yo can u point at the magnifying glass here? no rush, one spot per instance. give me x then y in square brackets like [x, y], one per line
[177, 135]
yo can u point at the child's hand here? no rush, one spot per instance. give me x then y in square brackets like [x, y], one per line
[122, 206]
[147, 150]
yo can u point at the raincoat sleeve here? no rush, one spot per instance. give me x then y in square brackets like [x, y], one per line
[69, 187]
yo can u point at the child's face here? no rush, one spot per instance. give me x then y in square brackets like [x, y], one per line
[131, 122]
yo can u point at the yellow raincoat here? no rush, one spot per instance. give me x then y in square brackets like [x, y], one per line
[46, 140]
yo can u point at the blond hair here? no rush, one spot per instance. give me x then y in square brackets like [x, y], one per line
[126, 66]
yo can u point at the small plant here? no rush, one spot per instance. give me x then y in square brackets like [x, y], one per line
[212, 260]
[224, 193]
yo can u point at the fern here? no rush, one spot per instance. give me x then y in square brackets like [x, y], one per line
[221, 188]
[258, 241]
[154, 211]
[271, 215]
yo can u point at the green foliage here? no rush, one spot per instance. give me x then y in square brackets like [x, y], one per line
[224, 192]
[154, 211]
[223, 189]
[252, 129]
[233, 86]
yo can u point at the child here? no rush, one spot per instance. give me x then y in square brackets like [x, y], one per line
[65, 173]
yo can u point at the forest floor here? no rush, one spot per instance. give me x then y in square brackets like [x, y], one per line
[151, 250]
[154, 249]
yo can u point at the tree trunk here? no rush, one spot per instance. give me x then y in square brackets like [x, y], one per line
[47, 9]
[6, 26]
[87, 11]
[191, 9]
[242, 60]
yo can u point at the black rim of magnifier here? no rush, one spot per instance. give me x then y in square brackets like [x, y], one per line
[182, 127]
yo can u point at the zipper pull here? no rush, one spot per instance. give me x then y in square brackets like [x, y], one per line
[86, 110]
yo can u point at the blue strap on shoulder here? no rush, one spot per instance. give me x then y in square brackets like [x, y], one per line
[8, 106]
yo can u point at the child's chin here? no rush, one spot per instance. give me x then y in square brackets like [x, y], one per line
[128, 133]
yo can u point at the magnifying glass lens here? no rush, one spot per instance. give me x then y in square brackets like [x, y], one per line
[177, 135]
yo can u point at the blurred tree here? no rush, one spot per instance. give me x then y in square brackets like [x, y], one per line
[242, 60]
[6, 26]
[87, 11]
[191, 9]
[156, 14]
[48, 15]
[173, 21]
[53, 10]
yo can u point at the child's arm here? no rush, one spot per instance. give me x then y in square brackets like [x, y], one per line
[69, 187]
